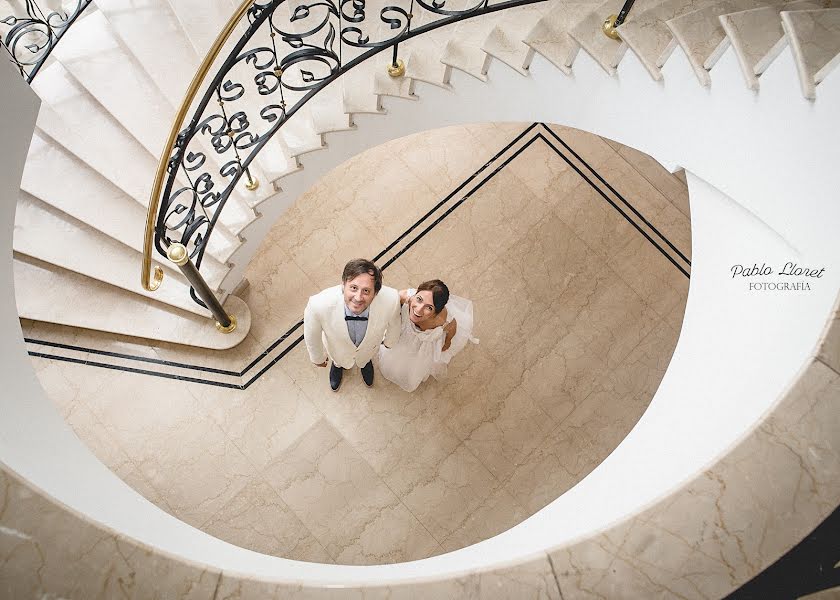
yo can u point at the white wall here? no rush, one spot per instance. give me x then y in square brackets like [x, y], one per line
[736, 354]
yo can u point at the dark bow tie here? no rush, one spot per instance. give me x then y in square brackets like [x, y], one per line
[352, 318]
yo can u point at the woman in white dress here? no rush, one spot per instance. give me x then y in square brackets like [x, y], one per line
[435, 327]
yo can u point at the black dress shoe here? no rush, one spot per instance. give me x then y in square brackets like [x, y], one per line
[367, 373]
[335, 376]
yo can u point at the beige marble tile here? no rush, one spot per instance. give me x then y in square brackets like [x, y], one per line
[594, 220]
[814, 37]
[453, 252]
[444, 502]
[263, 420]
[543, 171]
[498, 513]
[506, 313]
[321, 244]
[445, 160]
[389, 198]
[340, 499]
[552, 261]
[174, 442]
[612, 318]
[278, 292]
[712, 535]
[668, 184]
[470, 374]
[399, 436]
[502, 432]
[591, 148]
[642, 370]
[564, 458]
[559, 380]
[257, 519]
[47, 552]
[633, 187]
[651, 275]
[501, 213]
[493, 137]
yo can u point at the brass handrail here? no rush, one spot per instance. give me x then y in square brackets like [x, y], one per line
[149, 283]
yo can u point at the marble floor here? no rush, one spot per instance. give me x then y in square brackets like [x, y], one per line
[575, 251]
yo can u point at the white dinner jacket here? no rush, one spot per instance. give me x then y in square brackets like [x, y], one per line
[325, 330]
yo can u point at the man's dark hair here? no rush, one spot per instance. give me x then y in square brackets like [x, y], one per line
[361, 266]
[440, 293]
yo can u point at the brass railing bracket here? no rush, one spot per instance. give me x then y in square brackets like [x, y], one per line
[397, 70]
[610, 29]
[229, 328]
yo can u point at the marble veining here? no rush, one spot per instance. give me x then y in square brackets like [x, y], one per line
[577, 323]
[814, 37]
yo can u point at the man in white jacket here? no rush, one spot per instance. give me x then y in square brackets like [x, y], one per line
[346, 323]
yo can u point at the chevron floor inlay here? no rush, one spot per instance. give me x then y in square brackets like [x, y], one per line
[576, 253]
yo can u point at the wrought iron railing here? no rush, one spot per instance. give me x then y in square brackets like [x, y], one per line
[31, 37]
[290, 50]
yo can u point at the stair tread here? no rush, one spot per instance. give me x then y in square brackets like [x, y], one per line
[45, 233]
[814, 37]
[700, 33]
[152, 33]
[589, 33]
[505, 40]
[550, 35]
[48, 293]
[94, 56]
[112, 212]
[648, 36]
[754, 32]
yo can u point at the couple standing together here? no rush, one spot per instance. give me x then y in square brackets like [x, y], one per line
[416, 332]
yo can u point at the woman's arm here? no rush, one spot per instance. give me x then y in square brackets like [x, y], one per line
[450, 328]
[403, 297]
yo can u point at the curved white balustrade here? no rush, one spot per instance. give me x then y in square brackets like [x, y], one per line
[774, 154]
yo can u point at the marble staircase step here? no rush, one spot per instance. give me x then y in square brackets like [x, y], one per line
[814, 37]
[422, 58]
[153, 35]
[647, 35]
[463, 50]
[504, 42]
[100, 61]
[754, 33]
[49, 293]
[54, 238]
[201, 21]
[590, 36]
[702, 37]
[550, 35]
[72, 117]
[64, 182]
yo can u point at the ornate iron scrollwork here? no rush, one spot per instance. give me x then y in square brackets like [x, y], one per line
[287, 55]
[30, 38]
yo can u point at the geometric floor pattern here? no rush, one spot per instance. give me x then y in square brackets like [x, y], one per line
[576, 253]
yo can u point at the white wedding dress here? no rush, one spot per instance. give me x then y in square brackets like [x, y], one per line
[419, 354]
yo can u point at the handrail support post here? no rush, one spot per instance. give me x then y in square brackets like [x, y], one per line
[178, 255]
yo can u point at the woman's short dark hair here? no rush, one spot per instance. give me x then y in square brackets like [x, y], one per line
[440, 293]
[362, 266]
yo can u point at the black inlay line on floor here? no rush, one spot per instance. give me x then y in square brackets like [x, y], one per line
[404, 235]
[614, 191]
[455, 191]
[618, 208]
[157, 361]
[133, 370]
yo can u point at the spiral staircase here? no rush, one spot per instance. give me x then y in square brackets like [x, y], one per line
[86, 184]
